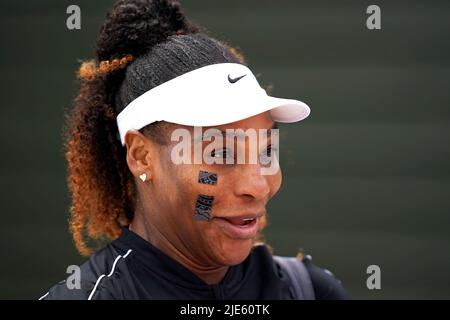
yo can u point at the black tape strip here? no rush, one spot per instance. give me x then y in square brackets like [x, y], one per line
[203, 207]
[206, 177]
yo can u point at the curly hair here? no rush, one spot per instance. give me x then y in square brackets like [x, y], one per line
[142, 44]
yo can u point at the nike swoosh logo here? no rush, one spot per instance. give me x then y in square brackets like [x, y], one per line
[234, 80]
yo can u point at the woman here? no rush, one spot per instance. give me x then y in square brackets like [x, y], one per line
[181, 228]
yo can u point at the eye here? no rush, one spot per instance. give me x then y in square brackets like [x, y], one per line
[269, 151]
[266, 157]
[221, 153]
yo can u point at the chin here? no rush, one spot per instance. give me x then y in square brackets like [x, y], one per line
[236, 251]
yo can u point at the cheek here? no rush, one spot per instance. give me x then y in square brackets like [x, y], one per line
[196, 191]
[176, 189]
[275, 182]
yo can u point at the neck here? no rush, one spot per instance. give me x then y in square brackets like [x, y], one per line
[209, 273]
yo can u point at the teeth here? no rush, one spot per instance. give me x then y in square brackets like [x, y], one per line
[241, 221]
[248, 221]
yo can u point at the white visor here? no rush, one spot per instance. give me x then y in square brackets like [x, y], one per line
[209, 96]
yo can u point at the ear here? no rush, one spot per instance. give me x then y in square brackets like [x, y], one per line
[139, 154]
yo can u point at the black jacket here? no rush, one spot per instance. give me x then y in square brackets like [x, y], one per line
[131, 268]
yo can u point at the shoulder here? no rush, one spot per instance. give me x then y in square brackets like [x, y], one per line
[308, 281]
[103, 276]
[326, 285]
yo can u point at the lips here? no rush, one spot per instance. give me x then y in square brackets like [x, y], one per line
[240, 221]
[239, 227]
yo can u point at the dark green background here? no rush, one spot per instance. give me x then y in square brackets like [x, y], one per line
[366, 177]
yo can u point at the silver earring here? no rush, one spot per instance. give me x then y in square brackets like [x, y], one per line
[143, 177]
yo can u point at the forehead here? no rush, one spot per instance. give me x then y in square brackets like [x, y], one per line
[260, 121]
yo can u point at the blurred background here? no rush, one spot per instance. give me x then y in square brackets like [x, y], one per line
[366, 176]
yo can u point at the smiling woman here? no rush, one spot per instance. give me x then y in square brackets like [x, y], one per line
[179, 230]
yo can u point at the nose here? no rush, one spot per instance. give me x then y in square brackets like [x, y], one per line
[251, 183]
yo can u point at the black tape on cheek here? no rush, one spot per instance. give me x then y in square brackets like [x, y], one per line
[206, 177]
[203, 207]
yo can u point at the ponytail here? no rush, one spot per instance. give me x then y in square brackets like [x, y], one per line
[98, 178]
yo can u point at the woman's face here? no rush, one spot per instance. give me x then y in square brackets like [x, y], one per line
[240, 195]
